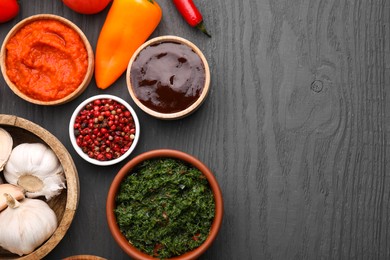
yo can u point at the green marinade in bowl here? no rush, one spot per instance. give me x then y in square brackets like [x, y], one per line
[165, 207]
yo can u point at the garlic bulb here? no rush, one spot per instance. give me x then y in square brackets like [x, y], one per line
[6, 143]
[35, 168]
[13, 190]
[25, 225]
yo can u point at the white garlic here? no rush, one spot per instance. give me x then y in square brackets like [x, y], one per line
[6, 143]
[35, 168]
[26, 224]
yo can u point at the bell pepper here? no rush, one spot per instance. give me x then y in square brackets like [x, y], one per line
[128, 25]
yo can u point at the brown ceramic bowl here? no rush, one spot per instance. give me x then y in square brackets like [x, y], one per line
[169, 71]
[163, 153]
[15, 88]
[84, 257]
[65, 204]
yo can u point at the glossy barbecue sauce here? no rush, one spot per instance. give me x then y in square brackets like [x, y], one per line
[167, 77]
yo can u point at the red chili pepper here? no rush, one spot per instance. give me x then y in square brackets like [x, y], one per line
[196, 237]
[157, 247]
[191, 14]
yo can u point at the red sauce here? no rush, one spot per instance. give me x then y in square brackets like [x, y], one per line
[46, 60]
[168, 77]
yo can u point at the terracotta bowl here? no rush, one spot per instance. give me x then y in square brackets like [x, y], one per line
[174, 115]
[87, 78]
[79, 150]
[84, 257]
[163, 153]
[65, 204]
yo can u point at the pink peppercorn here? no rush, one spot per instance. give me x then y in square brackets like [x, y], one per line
[103, 129]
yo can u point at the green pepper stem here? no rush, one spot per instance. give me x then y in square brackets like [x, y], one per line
[201, 27]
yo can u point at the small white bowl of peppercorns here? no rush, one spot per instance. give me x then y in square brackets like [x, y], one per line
[104, 129]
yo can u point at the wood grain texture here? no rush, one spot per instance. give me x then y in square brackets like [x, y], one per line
[65, 204]
[295, 128]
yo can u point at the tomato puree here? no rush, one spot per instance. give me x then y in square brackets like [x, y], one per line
[46, 60]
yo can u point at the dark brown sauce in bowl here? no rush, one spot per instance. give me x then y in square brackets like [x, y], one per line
[167, 76]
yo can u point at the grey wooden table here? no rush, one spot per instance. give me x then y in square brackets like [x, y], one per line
[296, 128]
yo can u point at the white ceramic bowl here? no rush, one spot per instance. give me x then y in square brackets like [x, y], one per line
[80, 151]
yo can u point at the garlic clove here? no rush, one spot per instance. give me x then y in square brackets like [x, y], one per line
[6, 143]
[15, 191]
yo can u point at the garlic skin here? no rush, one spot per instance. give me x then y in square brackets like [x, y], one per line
[6, 143]
[15, 191]
[35, 168]
[25, 225]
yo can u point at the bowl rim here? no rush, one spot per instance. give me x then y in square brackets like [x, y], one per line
[189, 110]
[78, 149]
[163, 153]
[71, 176]
[84, 257]
[91, 60]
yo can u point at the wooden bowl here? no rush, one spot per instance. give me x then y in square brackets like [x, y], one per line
[87, 78]
[65, 204]
[163, 153]
[169, 115]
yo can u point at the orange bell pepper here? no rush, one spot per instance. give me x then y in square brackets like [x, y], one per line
[128, 25]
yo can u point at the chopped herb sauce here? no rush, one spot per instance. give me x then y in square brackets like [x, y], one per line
[165, 207]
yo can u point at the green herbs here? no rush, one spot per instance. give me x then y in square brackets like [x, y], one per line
[165, 207]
